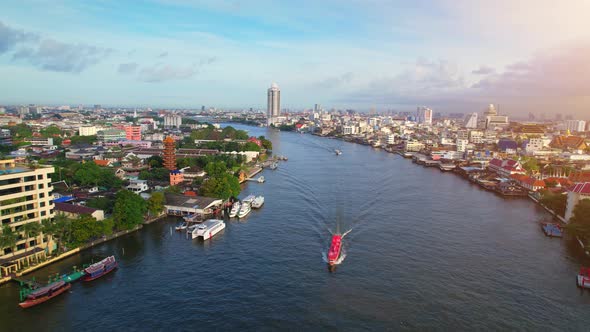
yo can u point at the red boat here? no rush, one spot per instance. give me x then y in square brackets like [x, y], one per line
[99, 269]
[45, 293]
[335, 249]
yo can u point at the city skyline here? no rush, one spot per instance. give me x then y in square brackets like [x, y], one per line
[450, 56]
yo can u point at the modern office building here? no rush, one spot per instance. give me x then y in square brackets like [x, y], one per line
[424, 115]
[25, 198]
[470, 121]
[273, 108]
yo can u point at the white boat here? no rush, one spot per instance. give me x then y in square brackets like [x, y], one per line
[181, 227]
[207, 229]
[338, 152]
[235, 209]
[260, 179]
[244, 210]
[191, 228]
[258, 202]
[274, 166]
[249, 199]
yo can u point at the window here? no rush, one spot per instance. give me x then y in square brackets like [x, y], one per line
[40, 177]
[32, 243]
[43, 213]
[42, 204]
[41, 186]
[41, 195]
[21, 246]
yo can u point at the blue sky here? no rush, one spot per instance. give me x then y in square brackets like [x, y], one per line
[450, 55]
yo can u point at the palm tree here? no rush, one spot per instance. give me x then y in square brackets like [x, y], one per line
[9, 238]
[31, 230]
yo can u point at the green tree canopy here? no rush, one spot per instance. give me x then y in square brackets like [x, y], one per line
[155, 204]
[221, 186]
[128, 210]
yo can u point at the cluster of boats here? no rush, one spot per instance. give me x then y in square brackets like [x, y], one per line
[243, 208]
[92, 272]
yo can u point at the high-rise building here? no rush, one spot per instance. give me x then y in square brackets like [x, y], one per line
[25, 198]
[133, 133]
[424, 115]
[172, 121]
[575, 125]
[273, 108]
[470, 121]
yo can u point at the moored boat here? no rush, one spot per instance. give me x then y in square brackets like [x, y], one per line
[249, 199]
[208, 229]
[181, 227]
[235, 209]
[274, 165]
[258, 202]
[583, 278]
[46, 293]
[97, 270]
[552, 230]
[335, 249]
[338, 152]
[244, 210]
[261, 179]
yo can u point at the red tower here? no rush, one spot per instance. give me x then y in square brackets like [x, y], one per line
[170, 153]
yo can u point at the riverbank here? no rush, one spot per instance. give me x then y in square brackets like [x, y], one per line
[88, 245]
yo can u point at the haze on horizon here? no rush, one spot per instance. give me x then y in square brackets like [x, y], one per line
[451, 55]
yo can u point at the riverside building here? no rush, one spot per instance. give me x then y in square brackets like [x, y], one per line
[25, 198]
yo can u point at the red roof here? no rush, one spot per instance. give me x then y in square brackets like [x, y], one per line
[581, 188]
[496, 162]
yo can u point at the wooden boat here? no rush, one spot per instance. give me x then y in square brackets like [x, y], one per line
[99, 269]
[45, 293]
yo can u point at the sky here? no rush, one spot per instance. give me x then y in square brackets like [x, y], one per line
[528, 56]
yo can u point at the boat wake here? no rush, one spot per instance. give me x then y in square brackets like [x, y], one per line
[340, 259]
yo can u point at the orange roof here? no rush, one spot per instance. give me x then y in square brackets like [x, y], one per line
[101, 162]
[568, 142]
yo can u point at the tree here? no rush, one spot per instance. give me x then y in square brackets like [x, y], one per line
[8, 239]
[129, 209]
[31, 230]
[250, 146]
[555, 202]
[221, 186]
[155, 204]
[582, 213]
[84, 228]
[101, 203]
[216, 168]
[83, 139]
[155, 161]
[50, 131]
[265, 143]
[21, 130]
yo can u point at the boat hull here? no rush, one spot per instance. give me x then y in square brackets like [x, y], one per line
[335, 250]
[31, 303]
[109, 269]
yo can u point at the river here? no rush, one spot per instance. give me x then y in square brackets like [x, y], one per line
[427, 250]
